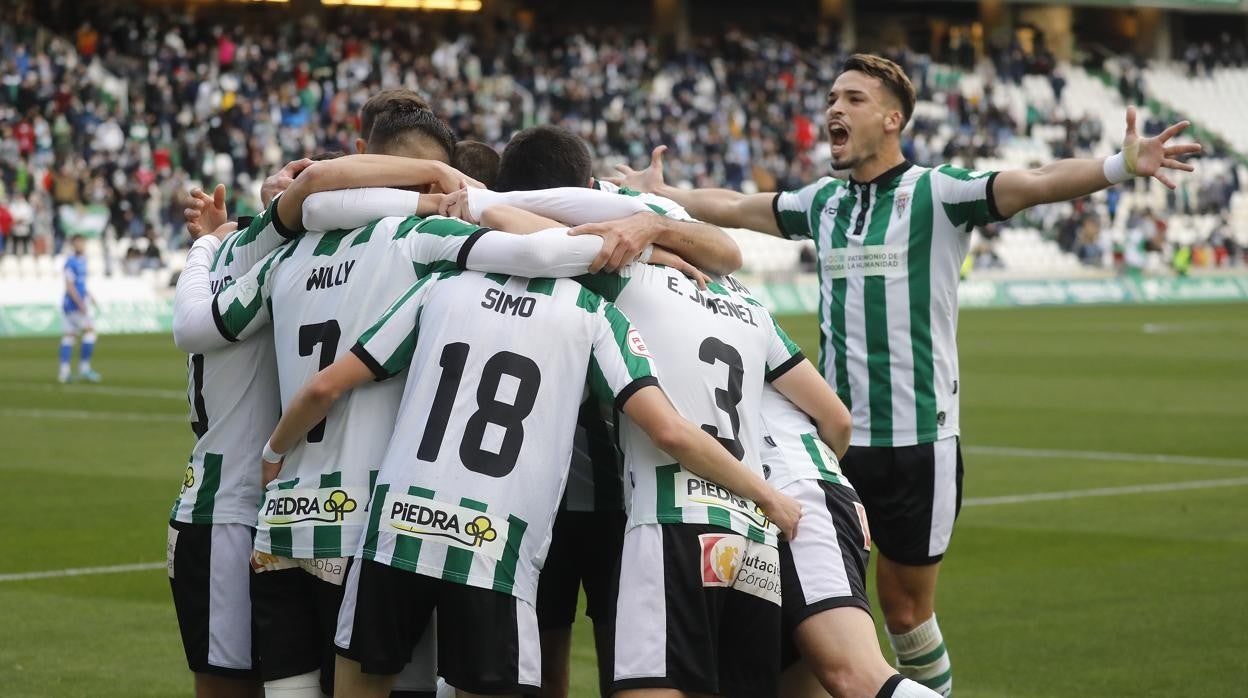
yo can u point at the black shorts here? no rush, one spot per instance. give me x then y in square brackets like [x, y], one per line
[699, 611]
[584, 552]
[296, 614]
[912, 494]
[209, 574]
[487, 641]
[825, 567]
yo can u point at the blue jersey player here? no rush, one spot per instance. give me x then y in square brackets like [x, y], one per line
[77, 316]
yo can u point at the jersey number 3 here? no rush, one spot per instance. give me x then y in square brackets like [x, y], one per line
[712, 351]
[509, 417]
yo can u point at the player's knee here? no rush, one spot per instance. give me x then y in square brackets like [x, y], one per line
[902, 616]
[302, 686]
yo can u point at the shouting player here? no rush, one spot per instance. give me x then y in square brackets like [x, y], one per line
[890, 241]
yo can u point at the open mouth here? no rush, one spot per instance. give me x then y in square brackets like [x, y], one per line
[839, 134]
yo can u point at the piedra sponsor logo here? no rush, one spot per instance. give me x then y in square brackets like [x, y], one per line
[460, 527]
[291, 507]
[693, 490]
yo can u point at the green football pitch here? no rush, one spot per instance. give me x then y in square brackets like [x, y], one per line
[1102, 549]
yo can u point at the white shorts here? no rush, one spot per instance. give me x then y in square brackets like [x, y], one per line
[825, 566]
[77, 321]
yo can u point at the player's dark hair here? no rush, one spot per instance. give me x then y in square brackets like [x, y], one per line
[401, 122]
[384, 101]
[542, 157]
[477, 160]
[327, 155]
[890, 74]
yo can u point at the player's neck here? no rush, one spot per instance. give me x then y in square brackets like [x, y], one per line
[870, 169]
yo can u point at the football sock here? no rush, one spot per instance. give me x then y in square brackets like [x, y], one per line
[67, 350]
[899, 686]
[84, 354]
[302, 686]
[922, 657]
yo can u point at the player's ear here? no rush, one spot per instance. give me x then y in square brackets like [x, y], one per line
[361, 146]
[892, 121]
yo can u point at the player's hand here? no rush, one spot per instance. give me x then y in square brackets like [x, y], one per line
[204, 214]
[668, 258]
[1149, 157]
[623, 239]
[269, 471]
[280, 182]
[448, 180]
[430, 204]
[784, 512]
[649, 179]
[223, 231]
[456, 205]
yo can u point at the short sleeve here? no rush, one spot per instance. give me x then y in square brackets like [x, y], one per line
[437, 243]
[966, 196]
[782, 353]
[793, 209]
[245, 248]
[388, 346]
[620, 365]
[242, 306]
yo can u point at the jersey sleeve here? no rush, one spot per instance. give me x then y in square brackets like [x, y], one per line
[619, 365]
[568, 205]
[194, 330]
[966, 196]
[782, 353]
[437, 243]
[793, 210]
[242, 307]
[607, 284]
[550, 253]
[388, 346]
[665, 207]
[348, 209]
[245, 248]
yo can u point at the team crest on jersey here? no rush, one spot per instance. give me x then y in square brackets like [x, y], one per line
[637, 345]
[459, 527]
[327, 505]
[900, 201]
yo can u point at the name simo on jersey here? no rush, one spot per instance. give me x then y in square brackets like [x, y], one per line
[716, 304]
[506, 304]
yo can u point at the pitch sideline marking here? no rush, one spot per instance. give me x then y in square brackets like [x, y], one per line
[119, 391]
[977, 501]
[1162, 458]
[90, 414]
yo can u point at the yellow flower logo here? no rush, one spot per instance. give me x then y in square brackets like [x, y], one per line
[481, 530]
[339, 504]
[188, 480]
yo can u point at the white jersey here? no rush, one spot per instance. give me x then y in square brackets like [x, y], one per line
[233, 399]
[714, 349]
[659, 204]
[474, 471]
[791, 448]
[890, 251]
[321, 291]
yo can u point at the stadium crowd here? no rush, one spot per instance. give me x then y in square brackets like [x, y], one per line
[133, 108]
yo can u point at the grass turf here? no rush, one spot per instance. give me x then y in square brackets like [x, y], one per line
[1128, 595]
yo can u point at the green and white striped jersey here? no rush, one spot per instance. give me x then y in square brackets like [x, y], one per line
[659, 204]
[715, 350]
[791, 449]
[889, 253]
[320, 291]
[233, 397]
[477, 462]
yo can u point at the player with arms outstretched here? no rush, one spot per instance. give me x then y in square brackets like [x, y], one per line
[890, 240]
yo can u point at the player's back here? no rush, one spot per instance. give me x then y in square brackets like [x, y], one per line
[713, 350]
[326, 289]
[478, 460]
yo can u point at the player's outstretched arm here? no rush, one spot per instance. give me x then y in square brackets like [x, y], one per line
[722, 207]
[1015, 190]
[194, 330]
[804, 387]
[702, 454]
[353, 171]
[310, 405]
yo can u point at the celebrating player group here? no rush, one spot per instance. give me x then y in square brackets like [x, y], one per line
[429, 413]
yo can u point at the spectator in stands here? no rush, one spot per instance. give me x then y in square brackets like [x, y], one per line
[6, 226]
[1089, 248]
[23, 215]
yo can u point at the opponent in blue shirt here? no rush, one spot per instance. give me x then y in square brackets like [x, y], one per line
[77, 316]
